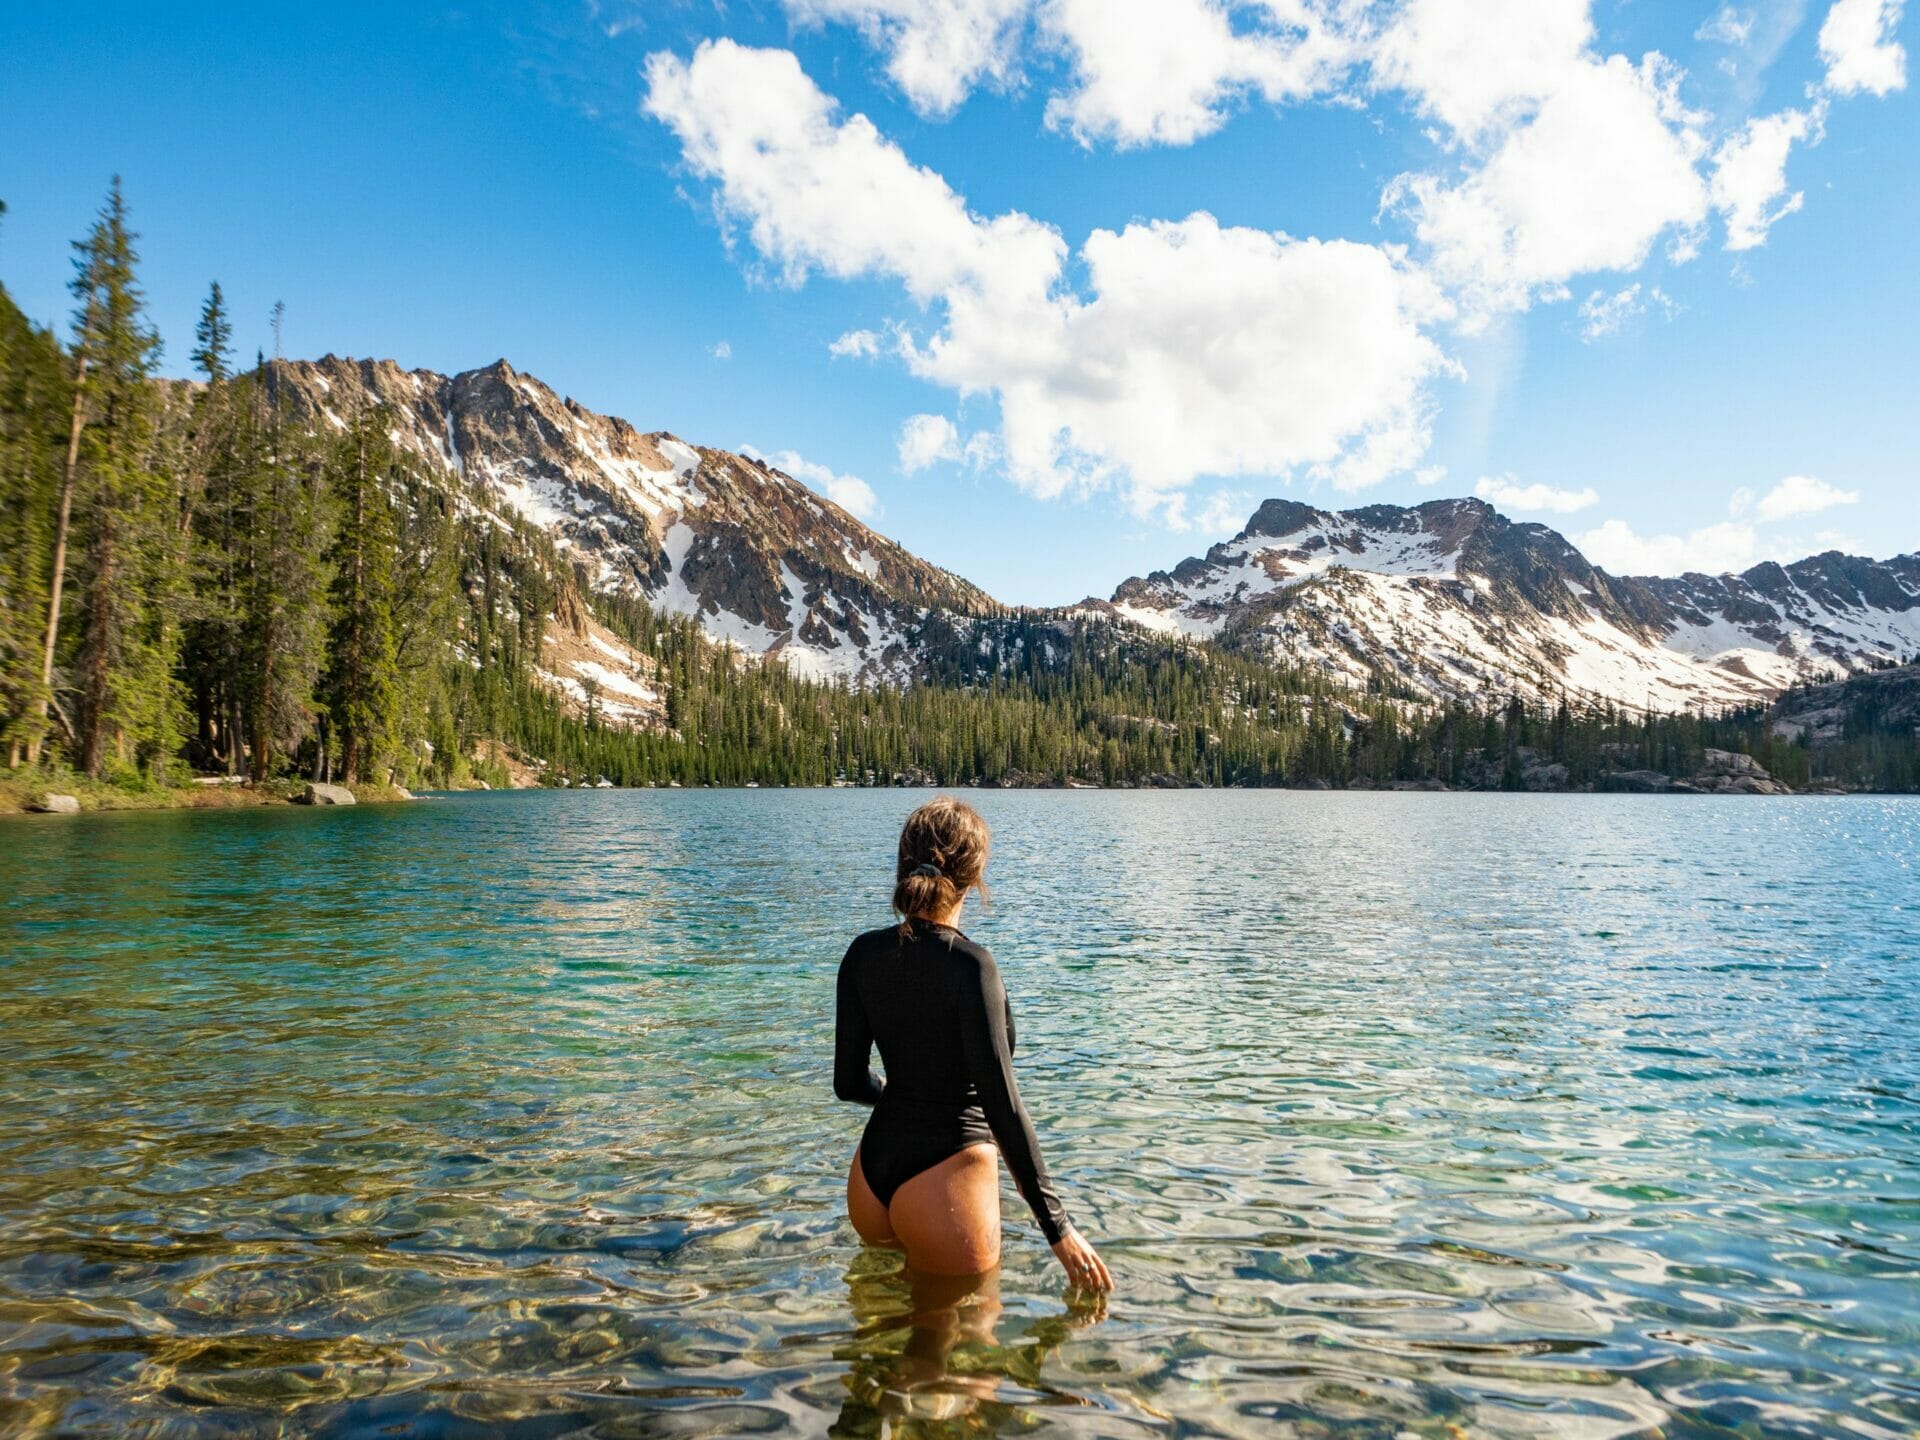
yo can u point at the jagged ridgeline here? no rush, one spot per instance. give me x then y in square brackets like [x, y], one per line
[344, 569]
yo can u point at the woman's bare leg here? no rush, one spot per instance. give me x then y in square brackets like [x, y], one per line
[948, 1218]
[869, 1216]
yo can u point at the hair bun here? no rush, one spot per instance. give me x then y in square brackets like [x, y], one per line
[942, 855]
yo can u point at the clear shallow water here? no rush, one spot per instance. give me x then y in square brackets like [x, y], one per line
[1394, 1115]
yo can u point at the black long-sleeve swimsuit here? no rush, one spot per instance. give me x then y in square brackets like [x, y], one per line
[933, 1002]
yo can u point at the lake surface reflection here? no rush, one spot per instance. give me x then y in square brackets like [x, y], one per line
[1393, 1114]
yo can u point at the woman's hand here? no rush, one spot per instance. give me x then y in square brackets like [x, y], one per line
[1082, 1263]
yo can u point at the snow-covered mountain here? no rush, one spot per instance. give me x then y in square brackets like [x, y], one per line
[1458, 601]
[756, 556]
[1451, 597]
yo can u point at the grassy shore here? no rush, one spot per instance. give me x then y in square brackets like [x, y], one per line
[20, 789]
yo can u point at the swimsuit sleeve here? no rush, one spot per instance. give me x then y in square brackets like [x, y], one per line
[986, 1032]
[853, 1078]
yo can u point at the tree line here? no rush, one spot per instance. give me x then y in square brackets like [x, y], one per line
[195, 580]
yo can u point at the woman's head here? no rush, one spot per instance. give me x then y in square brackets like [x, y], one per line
[943, 855]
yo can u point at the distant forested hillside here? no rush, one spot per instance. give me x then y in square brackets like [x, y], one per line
[195, 581]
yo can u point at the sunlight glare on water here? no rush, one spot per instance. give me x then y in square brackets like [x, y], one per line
[1393, 1114]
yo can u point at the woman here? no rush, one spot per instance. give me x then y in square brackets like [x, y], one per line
[925, 1178]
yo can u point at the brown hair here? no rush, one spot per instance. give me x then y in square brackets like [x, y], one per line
[943, 854]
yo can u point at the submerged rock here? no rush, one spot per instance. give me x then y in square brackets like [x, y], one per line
[318, 794]
[51, 804]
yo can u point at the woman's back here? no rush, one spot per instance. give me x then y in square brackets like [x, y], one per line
[918, 993]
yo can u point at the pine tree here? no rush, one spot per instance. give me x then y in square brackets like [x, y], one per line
[125, 679]
[215, 335]
[361, 689]
[34, 403]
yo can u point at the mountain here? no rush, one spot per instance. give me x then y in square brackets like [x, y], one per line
[1448, 600]
[754, 555]
[1454, 601]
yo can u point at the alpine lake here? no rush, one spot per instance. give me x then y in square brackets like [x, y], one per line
[1395, 1115]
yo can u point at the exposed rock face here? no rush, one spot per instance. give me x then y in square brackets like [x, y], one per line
[1551, 776]
[318, 794]
[1727, 772]
[1460, 602]
[1451, 598]
[1879, 700]
[756, 556]
[51, 804]
[1636, 782]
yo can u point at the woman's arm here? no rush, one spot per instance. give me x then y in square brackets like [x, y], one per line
[984, 1033]
[853, 1079]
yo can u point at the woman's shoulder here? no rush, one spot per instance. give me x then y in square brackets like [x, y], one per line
[921, 938]
[880, 935]
[869, 942]
[967, 955]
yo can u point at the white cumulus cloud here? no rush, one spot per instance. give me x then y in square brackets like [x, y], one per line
[720, 350]
[937, 50]
[1603, 166]
[1559, 160]
[1750, 173]
[856, 345]
[1476, 65]
[926, 440]
[1143, 358]
[1802, 495]
[1165, 72]
[1732, 545]
[1507, 493]
[1857, 44]
[818, 193]
[1188, 349]
[1713, 550]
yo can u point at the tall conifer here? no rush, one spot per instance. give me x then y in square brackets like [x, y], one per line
[361, 688]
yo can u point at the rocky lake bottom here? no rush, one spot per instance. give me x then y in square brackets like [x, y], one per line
[1394, 1114]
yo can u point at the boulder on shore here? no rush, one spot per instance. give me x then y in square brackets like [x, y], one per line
[1729, 772]
[318, 794]
[1551, 776]
[50, 804]
[1636, 782]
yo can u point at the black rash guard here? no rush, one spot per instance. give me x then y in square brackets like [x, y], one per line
[933, 1002]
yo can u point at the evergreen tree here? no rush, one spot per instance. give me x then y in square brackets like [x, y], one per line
[34, 403]
[362, 686]
[214, 335]
[282, 586]
[125, 661]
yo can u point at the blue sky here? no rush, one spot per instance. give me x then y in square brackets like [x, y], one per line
[1352, 251]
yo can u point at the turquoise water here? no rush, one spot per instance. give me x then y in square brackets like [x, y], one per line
[1393, 1114]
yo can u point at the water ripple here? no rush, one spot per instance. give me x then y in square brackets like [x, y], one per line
[1394, 1115]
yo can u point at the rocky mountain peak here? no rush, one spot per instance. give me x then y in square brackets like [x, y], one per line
[1278, 518]
[1455, 600]
[761, 560]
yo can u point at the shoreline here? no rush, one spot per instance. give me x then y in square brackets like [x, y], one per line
[19, 792]
[97, 797]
